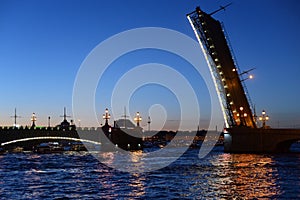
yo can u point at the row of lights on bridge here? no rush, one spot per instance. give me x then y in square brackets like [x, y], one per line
[263, 118]
[106, 116]
[241, 114]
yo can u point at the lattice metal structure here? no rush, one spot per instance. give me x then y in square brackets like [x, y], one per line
[225, 73]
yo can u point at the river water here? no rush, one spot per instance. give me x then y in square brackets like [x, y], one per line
[79, 175]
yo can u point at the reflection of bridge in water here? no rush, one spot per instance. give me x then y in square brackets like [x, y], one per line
[242, 134]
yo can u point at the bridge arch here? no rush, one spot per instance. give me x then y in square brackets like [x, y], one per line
[49, 138]
[285, 145]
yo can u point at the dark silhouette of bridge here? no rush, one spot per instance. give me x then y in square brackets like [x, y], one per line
[110, 138]
[242, 133]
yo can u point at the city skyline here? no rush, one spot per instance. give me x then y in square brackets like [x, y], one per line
[44, 45]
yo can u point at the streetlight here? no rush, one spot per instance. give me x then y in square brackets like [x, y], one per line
[138, 119]
[106, 116]
[247, 72]
[249, 77]
[263, 118]
[33, 119]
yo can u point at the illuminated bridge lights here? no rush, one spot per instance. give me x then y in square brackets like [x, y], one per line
[212, 45]
[106, 116]
[138, 119]
[33, 119]
[201, 31]
[264, 117]
[50, 138]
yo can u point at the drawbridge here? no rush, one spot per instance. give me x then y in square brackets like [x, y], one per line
[242, 133]
[224, 70]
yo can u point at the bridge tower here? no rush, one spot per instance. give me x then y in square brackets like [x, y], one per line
[231, 90]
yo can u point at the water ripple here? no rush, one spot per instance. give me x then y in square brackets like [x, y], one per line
[217, 176]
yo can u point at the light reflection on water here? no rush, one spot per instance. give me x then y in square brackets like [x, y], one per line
[81, 176]
[245, 176]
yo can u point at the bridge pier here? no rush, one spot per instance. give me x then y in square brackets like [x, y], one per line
[255, 140]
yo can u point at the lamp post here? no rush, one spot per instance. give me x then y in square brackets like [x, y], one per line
[138, 119]
[106, 116]
[33, 119]
[263, 118]
[249, 77]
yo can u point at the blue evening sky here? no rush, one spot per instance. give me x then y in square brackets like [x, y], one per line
[43, 43]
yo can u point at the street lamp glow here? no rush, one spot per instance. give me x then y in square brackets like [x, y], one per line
[138, 119]
[33, 119]
[263, 118]
[106, 116]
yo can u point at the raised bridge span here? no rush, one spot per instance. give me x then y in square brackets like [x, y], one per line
[242, 133]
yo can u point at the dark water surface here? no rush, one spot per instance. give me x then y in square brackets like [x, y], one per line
[78, 175]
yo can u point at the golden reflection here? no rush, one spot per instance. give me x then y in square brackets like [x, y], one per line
[247, 175]
[106, 158]
[136, 156]
[136, 163]
[137, 184]
[133, 184]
